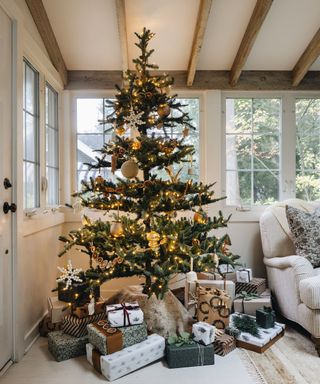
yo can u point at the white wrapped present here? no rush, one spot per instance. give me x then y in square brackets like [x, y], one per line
[266, 335]
[122, 315]
[244, 275]
[203, 333]
[129, 359]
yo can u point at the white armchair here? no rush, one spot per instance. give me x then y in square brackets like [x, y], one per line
[292, 279]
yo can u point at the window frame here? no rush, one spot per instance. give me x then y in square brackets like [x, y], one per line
[287, 174]
[75, 95]
[36, 115]
[57, 148]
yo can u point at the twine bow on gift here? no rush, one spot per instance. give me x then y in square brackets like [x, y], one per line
[184, 338]
[268, 310]
[245, 296]
[126, 314]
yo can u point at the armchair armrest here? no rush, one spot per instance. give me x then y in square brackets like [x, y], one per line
[301, 267]
[310, 292]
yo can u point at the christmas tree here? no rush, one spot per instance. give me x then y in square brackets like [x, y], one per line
[147, 237]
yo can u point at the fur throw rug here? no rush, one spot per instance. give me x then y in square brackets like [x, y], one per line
[164, 317]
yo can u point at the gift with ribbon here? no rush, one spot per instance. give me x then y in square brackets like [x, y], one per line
[122, 315]
[256, 285]
[244, 275]
[182, 351]
[92, 308]
[213, 306]
[265, 317]
[248, 303]
[223, 343]
[127, 360]
[107, 339]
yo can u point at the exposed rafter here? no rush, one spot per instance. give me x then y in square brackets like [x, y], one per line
[305, 61]
[42, 22]
[202, 20]
[121, 16]
[249, 81]
[258, 16]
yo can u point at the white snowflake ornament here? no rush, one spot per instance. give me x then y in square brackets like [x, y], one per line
[133, 120]
[69, 274]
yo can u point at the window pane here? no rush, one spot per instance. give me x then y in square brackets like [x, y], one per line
[265, 187]
[52, 148]
[89, 112]
[30, 185]
[53, 186]
[254, 148]
[87, 144]
[308, 149]
[31, 137]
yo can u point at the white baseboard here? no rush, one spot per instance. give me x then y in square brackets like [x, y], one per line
[32, 335]
[6, 367]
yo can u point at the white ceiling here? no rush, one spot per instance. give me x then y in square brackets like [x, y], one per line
[88, 37]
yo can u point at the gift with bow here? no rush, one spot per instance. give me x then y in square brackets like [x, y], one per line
[125, 314]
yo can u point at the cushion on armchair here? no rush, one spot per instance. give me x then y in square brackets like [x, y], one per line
[310, 292]
[305, 229]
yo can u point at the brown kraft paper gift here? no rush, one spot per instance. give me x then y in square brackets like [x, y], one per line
[213, 307]
[114, 339]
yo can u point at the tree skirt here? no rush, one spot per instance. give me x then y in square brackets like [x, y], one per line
[164, 317]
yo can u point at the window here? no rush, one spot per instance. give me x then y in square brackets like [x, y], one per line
[91, 135]
[272, 153]
[307, 148]
[52, 146]
[31, 164]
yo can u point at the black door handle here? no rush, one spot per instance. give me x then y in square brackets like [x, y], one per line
[7, 207]
[7, 183]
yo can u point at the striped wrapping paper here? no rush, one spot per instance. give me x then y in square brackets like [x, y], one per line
[256, 285]
[74, 326]
[224, 344]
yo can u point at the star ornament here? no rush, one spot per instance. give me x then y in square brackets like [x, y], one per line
[69, 274]
[133, 120]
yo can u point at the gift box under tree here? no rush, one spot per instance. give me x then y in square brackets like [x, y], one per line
[256, 285]
[213, 307]
[181, 352]
[203, 333]
[265, 317]
[57, 309]
[64, 347]
[129, 359]
[108, 340]
[249, 302]
[121, 315]
[74, 326]
[89, 309]
[223, 343]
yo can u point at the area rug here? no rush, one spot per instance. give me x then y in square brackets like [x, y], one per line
[39, 367]
[292, 360]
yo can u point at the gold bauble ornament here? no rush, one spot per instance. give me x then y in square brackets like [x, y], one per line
[153, 238]
[130, 169]
[99, 180]
[120, 130]
[163, 110]
[196, 242]
[136, 145]
[116, 229]
[200, 217]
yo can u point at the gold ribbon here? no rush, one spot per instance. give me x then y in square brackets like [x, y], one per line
[114, 340]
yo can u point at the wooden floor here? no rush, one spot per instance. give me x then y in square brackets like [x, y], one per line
[39, 367]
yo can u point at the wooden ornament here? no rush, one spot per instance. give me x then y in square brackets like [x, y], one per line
[113, 163]
[200, 217]
[116, 229]
[196, 242]
[163, 110]
[185, 132]
[130, 169]
[99, 180]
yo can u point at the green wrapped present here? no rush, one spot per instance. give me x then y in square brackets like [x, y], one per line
[184, 352]
[64, 347]
[265, 317]
[108, 340]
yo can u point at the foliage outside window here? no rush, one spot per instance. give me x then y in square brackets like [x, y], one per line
[308, 149]
[31, 163]
[52, 146]
[91, 135]
[253, 127]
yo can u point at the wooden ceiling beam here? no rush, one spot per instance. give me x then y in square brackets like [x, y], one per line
[204, 80]
[202, 20]
[122, 26]
[258, 16]
[305, 61]
[43, 25]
